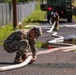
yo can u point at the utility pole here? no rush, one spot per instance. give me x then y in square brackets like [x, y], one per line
[14, 14]
[42, 1]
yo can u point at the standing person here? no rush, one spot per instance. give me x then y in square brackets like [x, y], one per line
[19, 42]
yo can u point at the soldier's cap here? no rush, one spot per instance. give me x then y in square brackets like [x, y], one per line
[38, 31]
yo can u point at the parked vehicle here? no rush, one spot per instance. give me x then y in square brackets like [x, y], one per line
[62, 7]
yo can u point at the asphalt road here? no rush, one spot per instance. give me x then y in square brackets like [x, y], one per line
[54, 63]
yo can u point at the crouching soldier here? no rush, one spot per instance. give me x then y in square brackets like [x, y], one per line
[19, 42]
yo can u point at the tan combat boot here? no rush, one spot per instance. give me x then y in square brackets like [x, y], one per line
[24, 57]
[18, 60]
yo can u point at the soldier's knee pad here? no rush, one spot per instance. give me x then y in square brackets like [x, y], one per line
[24, 42]
[23, 45]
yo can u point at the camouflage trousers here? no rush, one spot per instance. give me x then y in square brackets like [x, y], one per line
[20, 46]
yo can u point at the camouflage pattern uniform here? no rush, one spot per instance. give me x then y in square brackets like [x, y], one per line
[14, 43]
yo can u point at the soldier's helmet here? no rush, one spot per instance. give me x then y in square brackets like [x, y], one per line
[38, 31]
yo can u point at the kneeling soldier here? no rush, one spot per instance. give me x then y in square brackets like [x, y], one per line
[20, 41]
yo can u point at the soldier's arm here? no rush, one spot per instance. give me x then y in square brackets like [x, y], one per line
[23, 34]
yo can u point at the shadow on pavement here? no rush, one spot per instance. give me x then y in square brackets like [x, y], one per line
[7, 63]
[54, 65]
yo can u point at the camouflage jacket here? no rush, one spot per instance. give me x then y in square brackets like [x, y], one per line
[16, 36]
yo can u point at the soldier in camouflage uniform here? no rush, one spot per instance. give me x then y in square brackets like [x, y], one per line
[20, 41]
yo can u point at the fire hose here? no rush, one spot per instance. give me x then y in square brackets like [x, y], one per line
[4, 68]
[59, 40]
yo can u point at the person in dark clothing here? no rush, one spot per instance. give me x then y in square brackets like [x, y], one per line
[55, 18]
